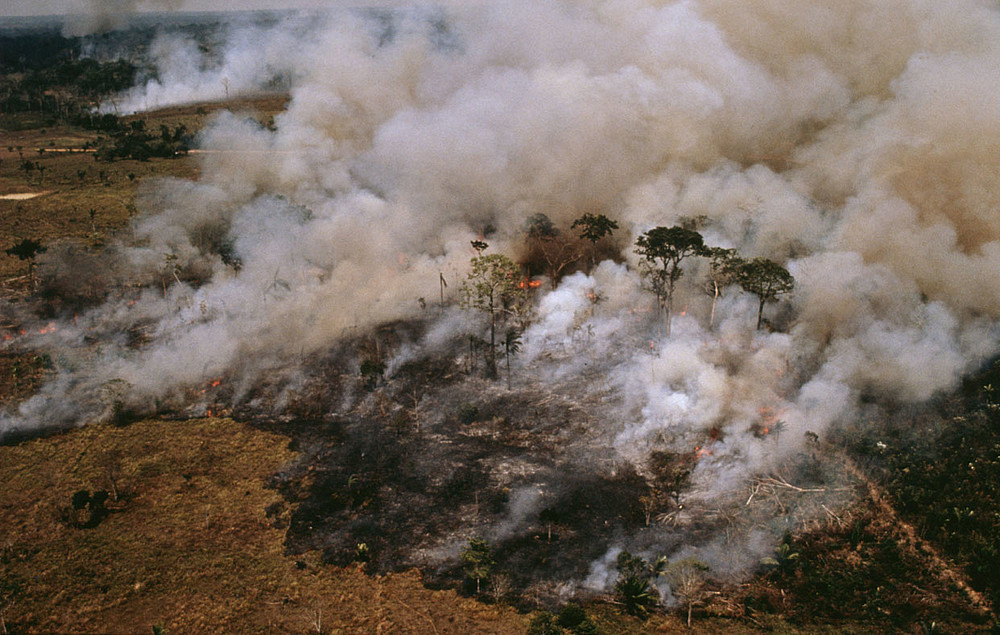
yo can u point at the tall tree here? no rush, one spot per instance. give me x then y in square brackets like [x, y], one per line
[493, 287]
[540, 227]
[27, 249]
[556, 249]
[477, 561]
[511, 346]
[765, 279]
[663, 249]
[594, 227]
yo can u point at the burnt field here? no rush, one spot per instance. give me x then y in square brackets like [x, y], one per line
[611, 330]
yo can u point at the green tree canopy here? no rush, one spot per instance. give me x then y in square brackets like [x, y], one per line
[477, 561]
[494, 287]
[765, 279]
[632, 587]
[663, 249]
[27, 249]
[594, 227]
[540, 227]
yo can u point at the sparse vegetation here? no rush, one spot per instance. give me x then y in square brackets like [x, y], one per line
[942, 480]
[494, 287]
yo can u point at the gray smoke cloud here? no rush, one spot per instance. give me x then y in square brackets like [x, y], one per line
[101, 16]
[856, 144]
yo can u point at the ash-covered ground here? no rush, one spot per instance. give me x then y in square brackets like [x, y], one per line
[414, 463]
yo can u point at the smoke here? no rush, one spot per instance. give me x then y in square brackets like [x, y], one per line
[101, 16]
[856, 145]
[247, 60]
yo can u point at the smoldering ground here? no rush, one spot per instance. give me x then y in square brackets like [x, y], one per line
[856, 145]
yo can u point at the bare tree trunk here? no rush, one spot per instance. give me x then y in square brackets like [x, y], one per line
[715, 301]
[508, 370]
[670, 304]
[493, 341]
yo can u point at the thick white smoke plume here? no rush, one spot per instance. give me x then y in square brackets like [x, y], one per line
[857, 144]
[245, 61]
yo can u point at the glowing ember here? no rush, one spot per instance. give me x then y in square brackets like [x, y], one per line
[215, 383]
[769, 422]
[48, 328]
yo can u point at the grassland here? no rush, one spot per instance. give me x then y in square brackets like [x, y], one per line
[194, 543]
[78, 198]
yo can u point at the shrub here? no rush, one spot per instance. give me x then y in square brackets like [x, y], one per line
[632, 587]
[468, 413]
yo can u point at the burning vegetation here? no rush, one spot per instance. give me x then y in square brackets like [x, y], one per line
[695, 271]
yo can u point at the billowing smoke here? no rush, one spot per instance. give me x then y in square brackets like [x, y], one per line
[857, 145]
[242, 59]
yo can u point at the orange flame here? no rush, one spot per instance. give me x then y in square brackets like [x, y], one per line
[768, 418]
[701, 452]
[48, 328]
[212, 384]
[529, 284]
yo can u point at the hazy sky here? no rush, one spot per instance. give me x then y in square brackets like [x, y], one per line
[58, 7]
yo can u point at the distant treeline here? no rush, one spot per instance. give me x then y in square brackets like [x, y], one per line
[65, 87]
[133, 141]
[34, 51]
[44, 81]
